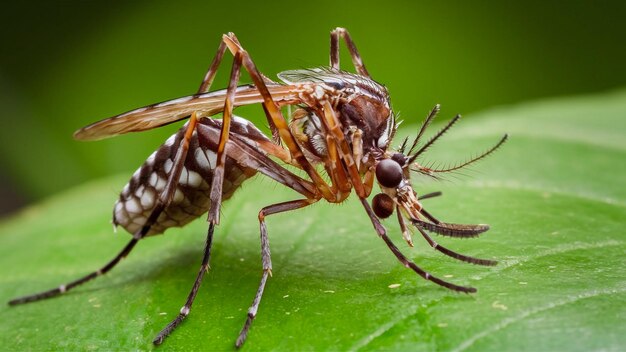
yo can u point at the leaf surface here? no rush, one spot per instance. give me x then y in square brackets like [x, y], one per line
[554, 196]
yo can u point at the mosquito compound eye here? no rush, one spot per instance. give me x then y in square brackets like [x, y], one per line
[389, 173]
[382, 205]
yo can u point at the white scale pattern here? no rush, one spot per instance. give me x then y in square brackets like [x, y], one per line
[191, 197]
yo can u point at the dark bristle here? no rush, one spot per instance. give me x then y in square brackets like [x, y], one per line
[472, 160]
[431, 116]
[403, 146]
[452, 230]
[452, 254]
[434, 138]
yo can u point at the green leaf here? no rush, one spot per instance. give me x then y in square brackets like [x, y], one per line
[554, 196]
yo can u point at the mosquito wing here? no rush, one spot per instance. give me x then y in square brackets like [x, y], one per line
[206, 104]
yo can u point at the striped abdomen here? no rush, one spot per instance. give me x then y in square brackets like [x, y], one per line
[191, 198]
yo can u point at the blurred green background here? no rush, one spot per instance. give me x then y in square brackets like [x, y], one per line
[68, 63]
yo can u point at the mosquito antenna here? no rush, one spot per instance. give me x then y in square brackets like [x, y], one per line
[434, 138]
[403, 146]
[425, 124]
[452, 230]
[473, 160]
[453, 254]
[430, 217]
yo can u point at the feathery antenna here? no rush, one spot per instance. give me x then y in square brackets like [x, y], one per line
[429, 119]
[434, 138]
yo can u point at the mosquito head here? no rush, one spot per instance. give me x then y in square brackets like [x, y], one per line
[393, 171]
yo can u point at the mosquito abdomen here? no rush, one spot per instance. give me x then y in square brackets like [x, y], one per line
[191, 197]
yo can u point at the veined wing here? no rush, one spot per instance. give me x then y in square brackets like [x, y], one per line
[206, 104]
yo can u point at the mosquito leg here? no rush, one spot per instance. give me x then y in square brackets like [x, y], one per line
[368, 182]
[210, 75]
[276, 117]
[266, 258]
[334, 128]
[334, 168]
[453, 254]
[334, 51]
[64, 288]
[218, 171]
[164, 199]
[257, 155]
[266, 81]
[172, 180]
[184, 311]
[380, 230]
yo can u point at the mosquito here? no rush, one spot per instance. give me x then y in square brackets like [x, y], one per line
[341, 125]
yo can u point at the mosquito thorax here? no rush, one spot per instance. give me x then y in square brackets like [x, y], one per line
[367, 114]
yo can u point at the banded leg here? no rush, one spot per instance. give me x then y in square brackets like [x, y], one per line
[341, 184]
[66, 287]
[184, 311]
[382, 233]
[266, 258]
[334, 51]
[266, 80]
[162, 202]
[165, 198]
[218, 172]
[215, 64]
[179, 160]
[334, 128]
[275, 115]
